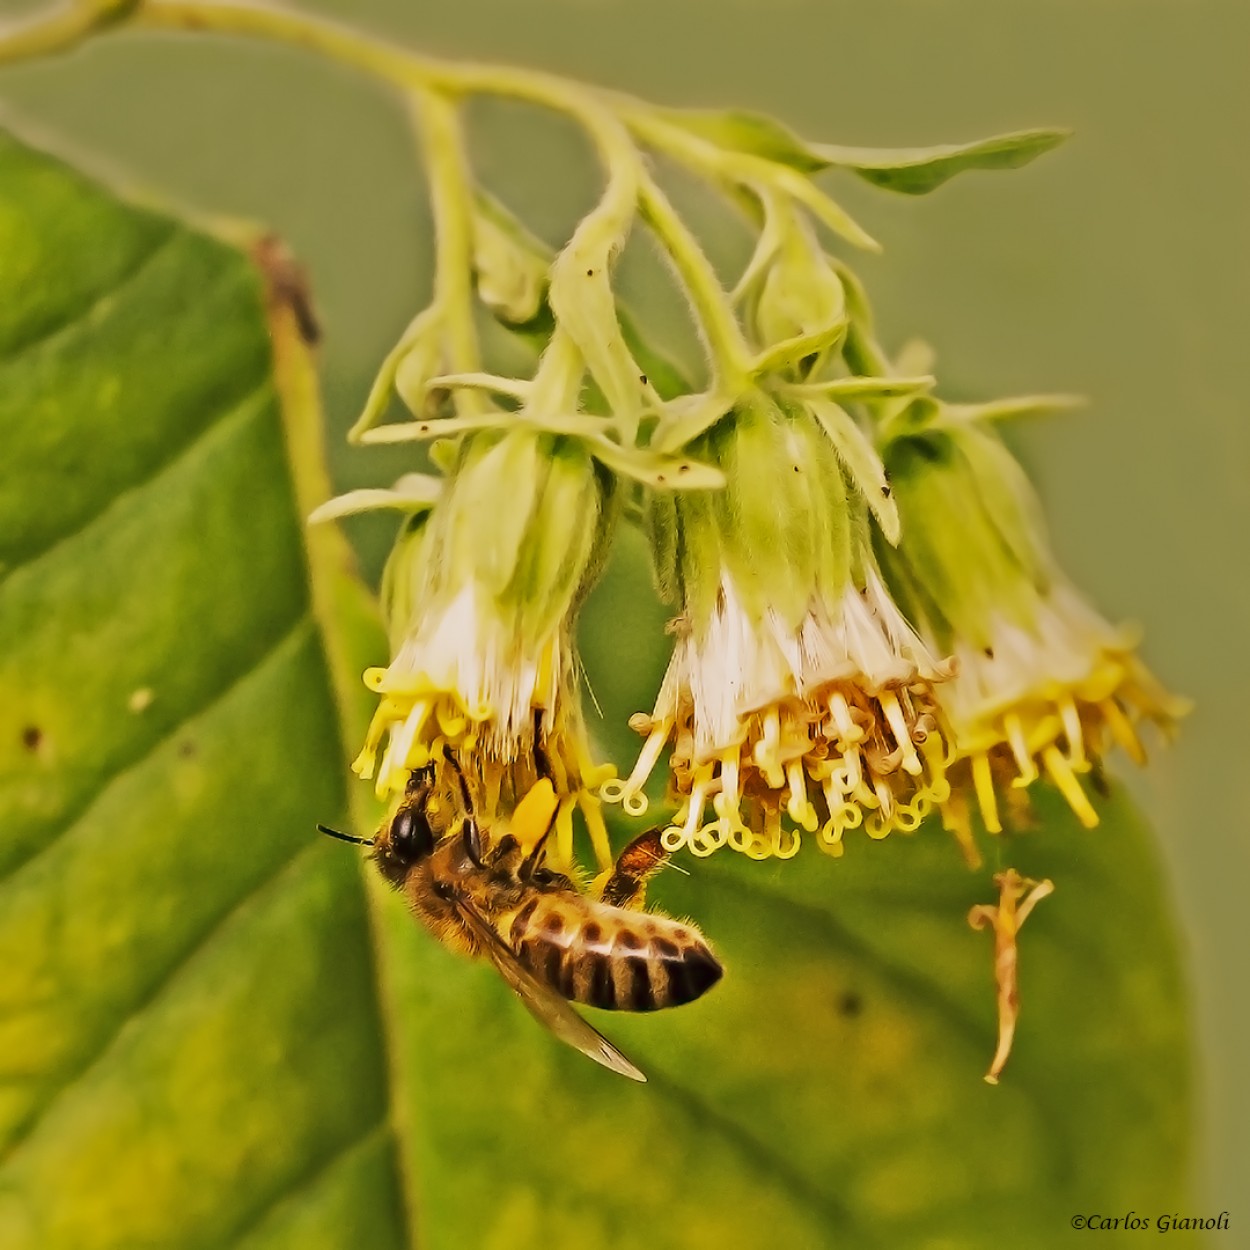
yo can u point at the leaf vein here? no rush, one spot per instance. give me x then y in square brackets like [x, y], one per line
[301, 624]
[141, 1006]
[304, 1183]
[238, 414]
[99, 303]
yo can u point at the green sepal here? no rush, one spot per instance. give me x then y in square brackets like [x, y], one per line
[561, 541]
[660, 472]
[582, 301]
[766, 511]
[414, 492]
[420, 349]
[689, 417]
[484, 520]
[662, 518]
[405, 577]
[860, 459]
[509, 263]
[1012, 408]
[949, 540]
[801, 310]
[917, 171]
[864, 389]
[700, 555]
[1008, 498]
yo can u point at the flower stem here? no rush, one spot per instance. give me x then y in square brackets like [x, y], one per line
[725, 341]
[438, 121]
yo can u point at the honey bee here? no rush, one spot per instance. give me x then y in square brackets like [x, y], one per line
[494, 896]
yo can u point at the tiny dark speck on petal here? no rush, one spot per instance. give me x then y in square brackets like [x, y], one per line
[642, 377]
[32, 737]
[590, 273]
[850, 1004]
[187, 750]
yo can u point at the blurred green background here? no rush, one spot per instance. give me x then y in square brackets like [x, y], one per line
[1118, 267]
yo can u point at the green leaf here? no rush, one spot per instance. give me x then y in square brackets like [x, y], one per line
[917, 171]
[214, 1031]
[192, 1029]
[753, 133]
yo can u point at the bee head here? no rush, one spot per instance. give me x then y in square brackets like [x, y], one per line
[404, 843]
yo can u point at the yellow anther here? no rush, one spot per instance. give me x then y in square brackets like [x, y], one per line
[592, 813]
[983, 781]
[1060, 772]
[1016, 739]
[1072, 731]
[1122, 730]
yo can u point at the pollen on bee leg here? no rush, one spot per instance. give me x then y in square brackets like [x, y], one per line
[1060, 772]
[983, 782]
[902, 735]
[533, 815]
[1122, 730]
[1017, 896]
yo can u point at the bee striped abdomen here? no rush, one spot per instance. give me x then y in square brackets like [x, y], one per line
[606, 957]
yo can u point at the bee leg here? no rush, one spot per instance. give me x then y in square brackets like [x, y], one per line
[625, 883]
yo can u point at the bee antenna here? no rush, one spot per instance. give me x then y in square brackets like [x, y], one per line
[344, 837]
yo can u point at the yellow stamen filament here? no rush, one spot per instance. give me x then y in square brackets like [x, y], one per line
[564, 833]
[800, 810]
[983, 781]
[898, 726]
[848, 731]
[1060, 772]
[1017, 897]
[957, 821]
[1122, 731]
[768, 750]
[592, 813]
[1072, 731]
[1020, 749]
[629, 792]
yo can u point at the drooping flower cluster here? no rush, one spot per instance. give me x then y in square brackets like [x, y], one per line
[797, 696]
[1044, 684]
[868, 624]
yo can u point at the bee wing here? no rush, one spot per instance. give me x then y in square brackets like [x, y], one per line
[542, 1002]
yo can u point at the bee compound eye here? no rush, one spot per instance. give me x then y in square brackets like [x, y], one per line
[411, 836]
